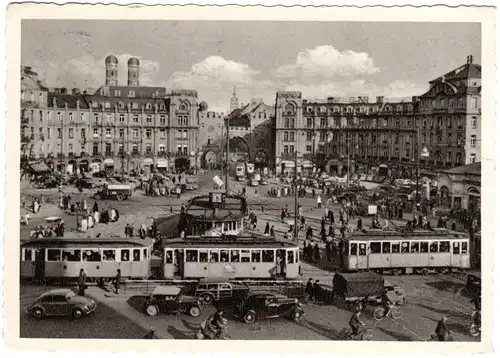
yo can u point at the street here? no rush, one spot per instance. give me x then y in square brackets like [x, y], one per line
[429, 298]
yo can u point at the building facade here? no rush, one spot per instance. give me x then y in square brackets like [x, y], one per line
[383, 133]
[460, 187]
[449, 117]
[131, 127]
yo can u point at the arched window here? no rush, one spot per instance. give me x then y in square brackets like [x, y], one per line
[148, 106]
[182, 107]
[289, 109]
[120, 105]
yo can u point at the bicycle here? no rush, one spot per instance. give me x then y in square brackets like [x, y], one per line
[380, 312]
[364, 334]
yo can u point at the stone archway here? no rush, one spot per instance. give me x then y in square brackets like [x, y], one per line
[239, 145]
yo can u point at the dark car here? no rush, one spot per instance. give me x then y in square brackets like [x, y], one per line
[61, 302]
[210, 291]
[170, 299]
[261, 305]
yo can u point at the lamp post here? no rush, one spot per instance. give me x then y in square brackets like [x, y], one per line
[423, 154]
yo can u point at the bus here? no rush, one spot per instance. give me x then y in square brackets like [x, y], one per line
[240, 171]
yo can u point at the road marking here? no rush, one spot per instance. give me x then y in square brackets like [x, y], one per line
[407, 329]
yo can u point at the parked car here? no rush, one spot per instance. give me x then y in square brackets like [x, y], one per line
[209, 291]
[61, 302]
[191, 185]
[266, 304]
[171, 299]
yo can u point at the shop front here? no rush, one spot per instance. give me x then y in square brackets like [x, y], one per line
[148, 165]
[109, 165]
[162, 165]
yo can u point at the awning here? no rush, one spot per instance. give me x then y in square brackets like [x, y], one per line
[307, 164]
[109, 161]
[147, 161]
[162, 163]
[39, 167]
[383, 166]
[288, 163]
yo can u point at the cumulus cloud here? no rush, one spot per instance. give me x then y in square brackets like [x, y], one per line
[90, 72]
[328, 62]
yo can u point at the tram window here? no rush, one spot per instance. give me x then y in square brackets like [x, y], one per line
[267, 255]
[245, 255]
[464, 247]
[71, 255]
[362, 249]
[289, 258]
[424, 246]
[203, 256]
[191, 255]
[434, 246]
[137, 255]
[386, 247]
[444, 246]
[53, 255]
[456, 248]
[28, 255]
[168, 257]
[91, 255]
[224, 255]
[108, 255]
[145, 254]
[255, 255]
[214, 256]
[405, 247]
[235, 255]
[396, 248]
[414, 247]
[125, 255]
[354, 249]
[375, 247]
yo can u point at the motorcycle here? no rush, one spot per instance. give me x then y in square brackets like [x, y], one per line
[205, 332]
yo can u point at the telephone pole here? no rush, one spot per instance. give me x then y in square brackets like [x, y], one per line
[227, 156]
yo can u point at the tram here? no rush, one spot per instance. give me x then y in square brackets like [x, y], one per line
[62, 258]
[394, 252]
[231, 257]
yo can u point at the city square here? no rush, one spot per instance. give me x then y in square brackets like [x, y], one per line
[133, 192]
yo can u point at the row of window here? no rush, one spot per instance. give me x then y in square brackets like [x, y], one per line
[342, 122]
[405, 247]
[357, 109]
[216, 255]
[181, 120]
[90, 255]
[449, 103]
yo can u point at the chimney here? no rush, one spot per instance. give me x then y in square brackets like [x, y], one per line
[380, 99]
[75, 91]
[470, 59]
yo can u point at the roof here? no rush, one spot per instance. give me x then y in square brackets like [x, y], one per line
[234, 207]
[87, 242]
[253, 241]
[167, 290]
[469, 169]
[61, 100]
[469, 70]
[57, 291]
[417, 235]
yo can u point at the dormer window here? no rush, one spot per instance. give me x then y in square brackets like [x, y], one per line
[131, 94]
[135, 105]
[182, 107]
[121, 105]
[162, 106]
[118, 93]
[107, 105]
[148, 106]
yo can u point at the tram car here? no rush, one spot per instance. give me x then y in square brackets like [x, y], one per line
[230, 257]
[421, 252]
[61, 259]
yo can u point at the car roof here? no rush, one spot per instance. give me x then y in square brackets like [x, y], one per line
[167, 290]
[57, 291]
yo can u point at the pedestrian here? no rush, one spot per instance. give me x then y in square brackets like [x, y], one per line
[316, 254]
[318, 201]
[82, 278]
[309, 289]
[442, 331]
[118, 279]
[127, 230]
[266, 229]
[271, 232]
[95, 208]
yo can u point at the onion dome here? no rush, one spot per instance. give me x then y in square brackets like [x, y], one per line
[111, 59]
[203, 106]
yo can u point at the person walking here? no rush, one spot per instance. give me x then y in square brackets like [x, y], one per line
[82, 278]
[266, 229]
[118, 279]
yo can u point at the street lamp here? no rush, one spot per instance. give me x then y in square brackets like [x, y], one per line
[423, 154]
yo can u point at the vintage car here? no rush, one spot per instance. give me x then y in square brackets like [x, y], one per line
[171, 299]
[191, 185]
[267, 304]
[61, 302]
[211, 291]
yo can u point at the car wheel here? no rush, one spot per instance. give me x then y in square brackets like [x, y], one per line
[297, 315]
[207, 298]
[194, 311]
[378, 314]
[37, 313]
[249, 317]
[119, 197]
[77, 313]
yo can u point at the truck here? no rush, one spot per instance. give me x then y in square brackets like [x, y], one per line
[114, 191]
[250, 169]
[240, 171]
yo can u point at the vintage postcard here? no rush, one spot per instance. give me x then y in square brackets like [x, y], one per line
[250, 173]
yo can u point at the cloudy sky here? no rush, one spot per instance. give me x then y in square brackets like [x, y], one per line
[259, 58]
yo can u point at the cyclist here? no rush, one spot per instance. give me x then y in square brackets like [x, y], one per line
[356, 324]
[387, 303]
[477, 306]
[216, 322]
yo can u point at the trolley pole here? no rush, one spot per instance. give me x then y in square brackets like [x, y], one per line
[227, 156]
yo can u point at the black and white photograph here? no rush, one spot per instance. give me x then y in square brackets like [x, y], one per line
[251, 180]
